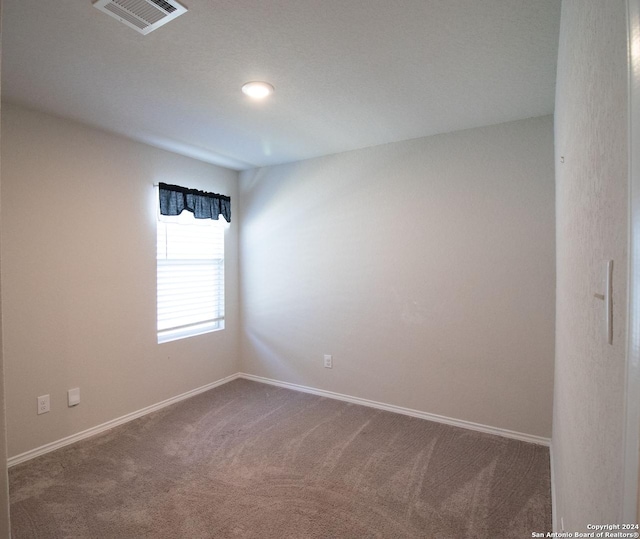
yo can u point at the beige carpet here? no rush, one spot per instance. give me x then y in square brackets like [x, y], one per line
[251, 460]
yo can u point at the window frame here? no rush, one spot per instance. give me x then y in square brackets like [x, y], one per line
[217, 322]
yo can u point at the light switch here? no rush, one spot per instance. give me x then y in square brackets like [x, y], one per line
[73, 396]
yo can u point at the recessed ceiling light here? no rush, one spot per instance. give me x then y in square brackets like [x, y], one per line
[257, 89]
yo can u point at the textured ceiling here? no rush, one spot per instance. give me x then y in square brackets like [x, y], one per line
[348, 73]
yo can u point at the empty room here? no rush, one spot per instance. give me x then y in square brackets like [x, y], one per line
[307, 269]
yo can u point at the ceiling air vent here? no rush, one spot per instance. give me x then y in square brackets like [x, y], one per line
[142, 15]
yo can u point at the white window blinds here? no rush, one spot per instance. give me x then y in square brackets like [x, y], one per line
[190, 276]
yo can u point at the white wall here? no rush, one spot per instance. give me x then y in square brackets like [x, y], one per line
[592, 207]
[425, 267]
[78, 277]
[5, 529]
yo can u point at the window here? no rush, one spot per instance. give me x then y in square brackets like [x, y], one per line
[190, 275]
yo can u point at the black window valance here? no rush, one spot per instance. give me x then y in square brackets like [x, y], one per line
[174, 199]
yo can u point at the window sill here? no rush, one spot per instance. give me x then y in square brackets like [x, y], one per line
[183, 333]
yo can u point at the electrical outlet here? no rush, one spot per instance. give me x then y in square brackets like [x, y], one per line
[43, 404]
[328, 361]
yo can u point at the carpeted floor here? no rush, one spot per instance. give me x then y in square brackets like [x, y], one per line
[251, 460]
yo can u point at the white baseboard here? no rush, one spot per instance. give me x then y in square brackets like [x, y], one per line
[33, 453]
[539, 440]
[38, 451]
